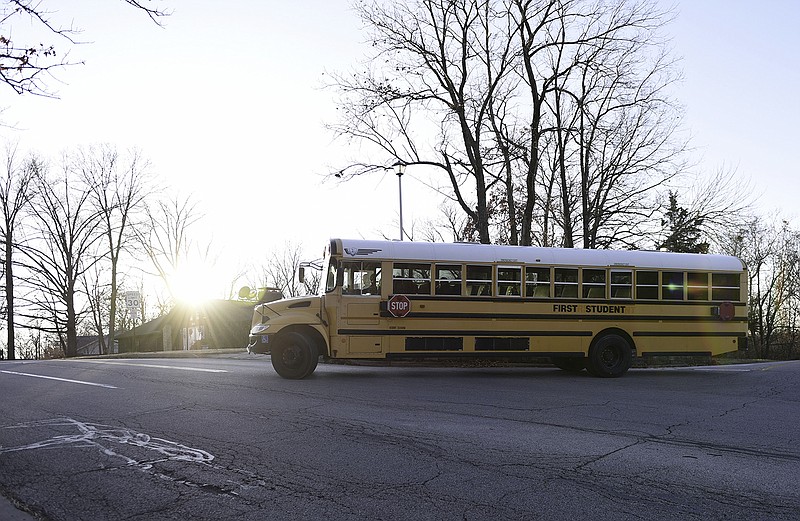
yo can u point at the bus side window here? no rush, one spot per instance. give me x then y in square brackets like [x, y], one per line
[697, 286]
[479, 280]
[509, 281]
[361, 278]
[725, 286]
[537, 282]
[411, 279]
[566, 283]
[594, 283]
[370, 279]
[647, 285]
[672, 285]
[621, 284]
[448, 279]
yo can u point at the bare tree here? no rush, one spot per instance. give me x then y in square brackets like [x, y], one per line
[769, 248]
[63, 249]
[312, 282]
[279, 274]
[281, 270]
[602, 130]
[26, 66]
[724, 202]
[790, 316]
[440, 228]
[99, 302]
[165, 238]
[539, 26]
[445, 63]
[15, 197]
[527, 99]
[118, 186]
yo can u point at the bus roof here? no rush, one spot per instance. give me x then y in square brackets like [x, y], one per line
[482, 253]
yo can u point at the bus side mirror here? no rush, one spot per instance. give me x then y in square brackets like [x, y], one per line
[301, 274]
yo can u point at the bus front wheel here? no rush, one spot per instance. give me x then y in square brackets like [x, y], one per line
[294, 356]
[610, 356]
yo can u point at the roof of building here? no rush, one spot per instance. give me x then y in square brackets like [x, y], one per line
[179, 314]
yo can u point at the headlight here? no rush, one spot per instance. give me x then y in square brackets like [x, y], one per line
[260, 328]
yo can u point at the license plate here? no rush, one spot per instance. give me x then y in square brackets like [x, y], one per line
[265, 339]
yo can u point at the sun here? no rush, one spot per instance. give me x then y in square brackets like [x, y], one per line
[194, 285]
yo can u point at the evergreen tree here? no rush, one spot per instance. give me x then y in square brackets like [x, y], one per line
[682, 229]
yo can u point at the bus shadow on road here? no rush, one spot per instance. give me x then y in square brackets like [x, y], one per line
[362, 371]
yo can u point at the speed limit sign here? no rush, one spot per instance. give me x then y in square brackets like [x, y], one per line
[132, 299]
[132, 302]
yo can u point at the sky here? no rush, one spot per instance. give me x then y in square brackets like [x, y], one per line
[228, 104]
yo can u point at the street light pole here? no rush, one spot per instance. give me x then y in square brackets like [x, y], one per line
[399, 169]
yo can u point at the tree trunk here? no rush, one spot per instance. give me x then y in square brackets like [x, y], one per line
[9, 266]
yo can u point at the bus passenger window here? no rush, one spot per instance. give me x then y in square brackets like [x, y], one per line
[697, 286]
[479, 281]
[672, 285]
[594, 283]
[411, 279]
[621, 284]
[509, 281]
[537, 282]
[647, 285]
[725, 286]
[371, 279]
[448, 279]
[361, 278]
[566, 283]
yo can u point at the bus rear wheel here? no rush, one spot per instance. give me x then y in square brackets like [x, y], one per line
[294, 356]
[610, 356]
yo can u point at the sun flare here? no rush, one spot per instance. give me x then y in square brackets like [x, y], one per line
[194, 285]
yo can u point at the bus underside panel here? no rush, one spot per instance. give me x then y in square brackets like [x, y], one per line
[660, 343]
[358, 343]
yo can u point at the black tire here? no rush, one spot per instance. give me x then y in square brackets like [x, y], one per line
[294, 356]
[571, 364]
[610, 356]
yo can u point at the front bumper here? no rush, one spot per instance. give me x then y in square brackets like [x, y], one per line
[258, 344]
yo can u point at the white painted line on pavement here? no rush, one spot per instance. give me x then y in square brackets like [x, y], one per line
[155, 366]
[60, 379]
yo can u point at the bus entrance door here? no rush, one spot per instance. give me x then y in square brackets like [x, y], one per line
[361, 317]
[359, 309]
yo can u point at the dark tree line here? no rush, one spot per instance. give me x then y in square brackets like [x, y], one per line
[63, 217]
[75, 233]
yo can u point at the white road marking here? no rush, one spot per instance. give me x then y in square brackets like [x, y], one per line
[155, 366]
[60, 379]
[104, 436]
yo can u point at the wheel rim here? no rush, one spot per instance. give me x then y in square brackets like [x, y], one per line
[611, 356]
[292, 356]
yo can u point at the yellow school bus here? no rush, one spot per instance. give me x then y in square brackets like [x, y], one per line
[584, 309]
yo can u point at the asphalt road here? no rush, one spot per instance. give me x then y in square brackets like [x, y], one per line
[226, 438]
